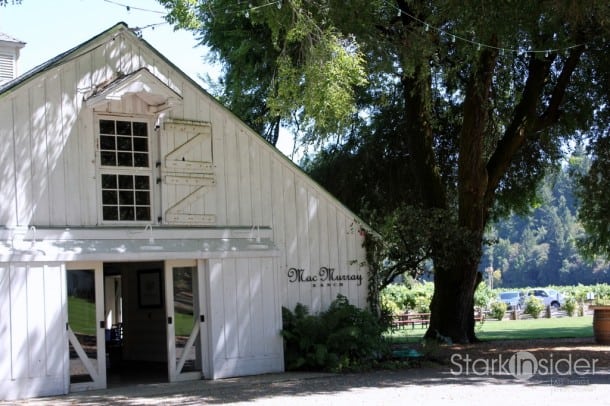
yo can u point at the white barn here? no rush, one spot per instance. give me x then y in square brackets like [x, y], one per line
[143, 222]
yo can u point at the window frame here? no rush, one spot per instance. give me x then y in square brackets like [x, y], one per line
[147, 171]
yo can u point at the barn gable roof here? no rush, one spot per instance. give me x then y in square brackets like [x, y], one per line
[122, 85]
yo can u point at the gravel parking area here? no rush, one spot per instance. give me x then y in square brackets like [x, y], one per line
[436, 380]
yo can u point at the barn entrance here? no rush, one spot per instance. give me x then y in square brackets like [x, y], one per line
[134, 316]
[135, 322]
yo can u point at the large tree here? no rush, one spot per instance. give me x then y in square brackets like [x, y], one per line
[471, 102]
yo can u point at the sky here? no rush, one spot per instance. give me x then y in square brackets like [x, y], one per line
[50, 27]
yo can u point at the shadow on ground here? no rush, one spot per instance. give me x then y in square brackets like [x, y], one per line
[439, 371]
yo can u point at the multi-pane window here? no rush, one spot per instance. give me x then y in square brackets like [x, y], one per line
[123, 143]
[126, 197]
[125, 170]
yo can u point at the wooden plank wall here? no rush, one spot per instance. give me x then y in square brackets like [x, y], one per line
[245, 317]
[32, 330]
[49, 133]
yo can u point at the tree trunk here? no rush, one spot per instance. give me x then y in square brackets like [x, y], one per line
[452, 306]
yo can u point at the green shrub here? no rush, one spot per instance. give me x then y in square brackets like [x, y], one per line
[533, 306]
[498, 310]
[415, 297]
[483, 296]
[342, 337]
[570, 305]
[390, 306]
[422, 304]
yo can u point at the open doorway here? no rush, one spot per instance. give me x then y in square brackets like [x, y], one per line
[135, 319]
[153, 313]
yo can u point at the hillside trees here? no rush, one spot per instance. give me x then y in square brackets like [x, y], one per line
[469, 102]
[541, 247]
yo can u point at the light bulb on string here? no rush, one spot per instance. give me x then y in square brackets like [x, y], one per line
[519, 51]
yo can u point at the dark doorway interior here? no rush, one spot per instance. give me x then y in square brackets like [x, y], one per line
[136, 338]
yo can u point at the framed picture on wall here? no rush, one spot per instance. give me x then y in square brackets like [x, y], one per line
[149, 288]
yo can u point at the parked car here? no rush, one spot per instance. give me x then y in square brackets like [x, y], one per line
[513, 299]
[549, 297]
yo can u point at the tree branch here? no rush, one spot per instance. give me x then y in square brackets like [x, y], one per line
[553, 112]
[524, 118]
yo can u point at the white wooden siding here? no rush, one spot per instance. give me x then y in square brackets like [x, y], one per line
[245, 318]
[49, 168]
[32, 330]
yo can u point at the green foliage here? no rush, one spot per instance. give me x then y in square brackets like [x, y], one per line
[407, 239]
[404, 298]
[472, 130]
[483, 296]
[533, 306]
[498, 310]
[570, 305]
[390, 306]
[595, 204]
[540, 248]
[323, 86]
[340, 338]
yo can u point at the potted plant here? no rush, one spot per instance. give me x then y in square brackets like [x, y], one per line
[601, 321]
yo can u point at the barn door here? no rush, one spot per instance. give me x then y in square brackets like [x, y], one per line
[185, 320]
[187, 169]
[86, 327]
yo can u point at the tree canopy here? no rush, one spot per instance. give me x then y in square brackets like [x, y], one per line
[453, 109]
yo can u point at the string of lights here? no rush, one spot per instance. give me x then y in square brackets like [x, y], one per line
[245, 9]
[479, 45]
[129, 7]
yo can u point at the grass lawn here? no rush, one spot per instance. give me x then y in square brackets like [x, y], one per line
[81, 315]
[563, 327]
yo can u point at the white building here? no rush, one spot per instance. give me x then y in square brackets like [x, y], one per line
[144, 222]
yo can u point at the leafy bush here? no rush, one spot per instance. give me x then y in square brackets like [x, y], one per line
[344, 336]
[416, 297]
[498, 310]
[533, 306]
[390, 306]
[570, 305]
[484, 296]
[422, 304]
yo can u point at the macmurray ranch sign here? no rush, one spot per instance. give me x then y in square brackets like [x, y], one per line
[325, 277]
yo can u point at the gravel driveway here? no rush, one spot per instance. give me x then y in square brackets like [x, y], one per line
[486, 381]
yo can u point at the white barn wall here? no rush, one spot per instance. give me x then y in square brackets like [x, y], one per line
[245, 318]
[49, 178]
[32, 330]
[55, 181]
